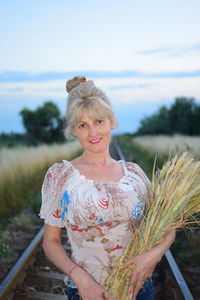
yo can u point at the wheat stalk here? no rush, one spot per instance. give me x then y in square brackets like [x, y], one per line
[176, 197]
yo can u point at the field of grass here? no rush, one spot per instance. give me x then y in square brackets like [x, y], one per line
[22, 170]
[144, 149]
[167, 145]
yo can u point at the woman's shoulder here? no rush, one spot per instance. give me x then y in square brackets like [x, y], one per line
[55, 168]
[136, 169]
[131, 166]
[58, 168]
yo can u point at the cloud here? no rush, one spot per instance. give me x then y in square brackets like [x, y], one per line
[119, 90]
[171, 51]
[14, 90]
[156, 89]
[129, 86]
[131, 97]
[194, 48]
[154, 51]
[13, 77]
[17, 76]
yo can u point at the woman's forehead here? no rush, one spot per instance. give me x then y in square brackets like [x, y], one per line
[90, 116]
[87, 118]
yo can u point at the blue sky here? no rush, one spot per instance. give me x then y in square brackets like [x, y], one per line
[141, 53]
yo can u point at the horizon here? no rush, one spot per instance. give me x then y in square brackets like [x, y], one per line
[142, 54]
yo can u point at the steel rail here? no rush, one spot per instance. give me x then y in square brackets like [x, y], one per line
[181, 283]
[184, 289]
[12, 277]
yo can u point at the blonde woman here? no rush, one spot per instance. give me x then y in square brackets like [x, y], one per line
[98, 200]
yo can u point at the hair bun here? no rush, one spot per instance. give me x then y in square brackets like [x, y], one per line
[72, 83]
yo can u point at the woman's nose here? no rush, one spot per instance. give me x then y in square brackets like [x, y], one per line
[92, 131]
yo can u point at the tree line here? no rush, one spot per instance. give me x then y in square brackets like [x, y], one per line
[45, 124]
[182, 117]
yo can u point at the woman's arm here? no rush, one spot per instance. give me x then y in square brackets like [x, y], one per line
[145, 263]
[87, 286]
[54, 250]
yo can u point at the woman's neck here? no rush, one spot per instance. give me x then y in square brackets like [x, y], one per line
[96, 158]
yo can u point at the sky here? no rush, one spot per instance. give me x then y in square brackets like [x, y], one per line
[142, 53]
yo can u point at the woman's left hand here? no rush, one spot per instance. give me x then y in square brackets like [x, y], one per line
[144, 265]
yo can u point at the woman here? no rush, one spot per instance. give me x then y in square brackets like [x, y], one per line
[97, 199]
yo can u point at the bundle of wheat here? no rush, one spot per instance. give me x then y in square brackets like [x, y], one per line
[175, 201]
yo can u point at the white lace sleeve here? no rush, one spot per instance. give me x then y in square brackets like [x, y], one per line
[135, 168]
[51, 210]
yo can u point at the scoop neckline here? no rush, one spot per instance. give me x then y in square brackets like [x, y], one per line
[95, 181]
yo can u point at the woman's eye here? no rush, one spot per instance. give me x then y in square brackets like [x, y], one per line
[99, 121]
[81, 125]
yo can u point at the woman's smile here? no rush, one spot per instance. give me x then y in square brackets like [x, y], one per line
[95, 141]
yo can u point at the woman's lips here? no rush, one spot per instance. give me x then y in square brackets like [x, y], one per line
[95, 141]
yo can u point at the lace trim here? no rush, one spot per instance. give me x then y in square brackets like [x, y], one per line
[77, 172]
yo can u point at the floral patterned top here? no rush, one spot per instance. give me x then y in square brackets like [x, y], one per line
[99, 216]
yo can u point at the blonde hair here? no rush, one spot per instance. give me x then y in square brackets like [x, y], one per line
[85, 97]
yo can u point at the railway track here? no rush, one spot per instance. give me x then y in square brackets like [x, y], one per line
[34, 277]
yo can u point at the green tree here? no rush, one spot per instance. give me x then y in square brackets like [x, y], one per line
[196, 121]
[158, 123]
[182, 117]
[44, 124]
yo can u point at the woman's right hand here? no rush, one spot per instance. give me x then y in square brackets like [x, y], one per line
[88, 288]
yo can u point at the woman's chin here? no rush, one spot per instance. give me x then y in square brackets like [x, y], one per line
[97, 148]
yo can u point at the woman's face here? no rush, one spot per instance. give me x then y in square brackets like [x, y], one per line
[94, 135]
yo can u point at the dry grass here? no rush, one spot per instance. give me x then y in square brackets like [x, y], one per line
[163, 144]
[22, 170]
[176, 197]
[28, 159]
